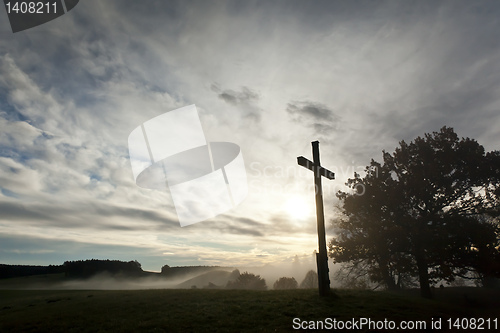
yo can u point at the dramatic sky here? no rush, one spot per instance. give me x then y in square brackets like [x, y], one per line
[270, 76]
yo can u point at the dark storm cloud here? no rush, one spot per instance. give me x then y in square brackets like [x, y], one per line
[244, 100]
[78, 215]
[282, 223]
[278, 225]
[314, 115]
[228, 97]
[250, 222]
[310, 110]
[19, 212]
[237, 226]
[245, 96]
[242, 231]
[143, 214]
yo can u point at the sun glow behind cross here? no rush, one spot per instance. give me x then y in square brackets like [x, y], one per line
[298, 208]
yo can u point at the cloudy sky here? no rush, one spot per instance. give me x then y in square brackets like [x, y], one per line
[270, 76]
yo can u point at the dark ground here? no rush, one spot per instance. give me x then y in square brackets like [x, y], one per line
[201, 310]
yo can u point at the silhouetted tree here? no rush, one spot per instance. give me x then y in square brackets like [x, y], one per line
[165, 269]
[480, 259]
[247, 281]
[409, 215]
[211, 285]
[310, 280]
[354, 275]
[234, 275]
[285, 283]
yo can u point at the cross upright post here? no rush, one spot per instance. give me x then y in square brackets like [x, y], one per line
[321, 256]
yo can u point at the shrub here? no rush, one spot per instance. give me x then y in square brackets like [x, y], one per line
[310, 281]
[248, 281]
[285, 283]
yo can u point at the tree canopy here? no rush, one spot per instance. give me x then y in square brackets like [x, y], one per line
[429, 211]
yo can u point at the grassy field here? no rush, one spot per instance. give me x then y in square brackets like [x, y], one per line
[169, 310]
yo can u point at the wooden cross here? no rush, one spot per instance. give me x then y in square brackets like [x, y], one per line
[322, 256]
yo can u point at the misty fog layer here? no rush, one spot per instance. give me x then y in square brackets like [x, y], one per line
[218, 277]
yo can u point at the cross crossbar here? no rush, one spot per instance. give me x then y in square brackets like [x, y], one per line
[315, 168]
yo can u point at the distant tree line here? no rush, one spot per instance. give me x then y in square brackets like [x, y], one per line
[428, 213]
[250, 281]
[11, 271]
[82, 269]
[87, 268]
[309, 281]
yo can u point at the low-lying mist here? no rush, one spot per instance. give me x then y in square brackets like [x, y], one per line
[297, 269]
[213, 277]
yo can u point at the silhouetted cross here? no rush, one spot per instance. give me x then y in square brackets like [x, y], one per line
[322, 256]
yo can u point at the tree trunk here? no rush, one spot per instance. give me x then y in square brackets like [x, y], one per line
[423, 276]
[390, 283]
[387, 277]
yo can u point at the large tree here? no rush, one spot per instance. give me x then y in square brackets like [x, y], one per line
[412, 215]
